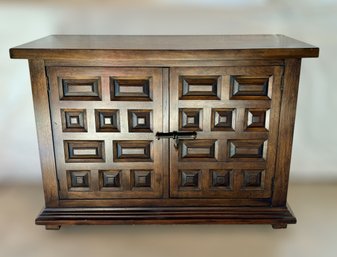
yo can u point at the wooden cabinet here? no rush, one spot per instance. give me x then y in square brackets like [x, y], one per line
[165, 129]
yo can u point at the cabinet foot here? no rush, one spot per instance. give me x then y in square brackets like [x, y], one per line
[53, 227]
[279, 225]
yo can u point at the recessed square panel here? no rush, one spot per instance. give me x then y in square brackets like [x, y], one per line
[189, 178]
[221, 178]
[78, 180]
[80, 89]
[84, 151]
[253, 179]
[247, 149]
[244, 87]
[130, 89]
[190, 119]
[140, 120]
[74, 120]
[257, 119]
[223, 119]
[199, 88]
[132, 151]
[110, 178]
[107, 120]
[141, 178]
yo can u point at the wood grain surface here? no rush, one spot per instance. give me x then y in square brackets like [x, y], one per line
[100, 100]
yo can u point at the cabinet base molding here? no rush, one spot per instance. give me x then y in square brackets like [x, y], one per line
[278, 217]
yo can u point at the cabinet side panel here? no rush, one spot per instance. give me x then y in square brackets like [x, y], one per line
[286, 130]
[44, 132]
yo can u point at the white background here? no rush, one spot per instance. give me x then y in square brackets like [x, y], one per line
[315, 22]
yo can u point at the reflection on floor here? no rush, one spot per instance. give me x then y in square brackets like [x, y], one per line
[315, 207]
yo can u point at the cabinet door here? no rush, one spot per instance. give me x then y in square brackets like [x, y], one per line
[235, 113]
[104, 120]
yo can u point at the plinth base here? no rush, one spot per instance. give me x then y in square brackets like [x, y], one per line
[54, 218]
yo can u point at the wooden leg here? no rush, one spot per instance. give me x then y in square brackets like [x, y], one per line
[53, 227]
[279, 225]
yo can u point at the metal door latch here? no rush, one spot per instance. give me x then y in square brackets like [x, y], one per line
[177, 135]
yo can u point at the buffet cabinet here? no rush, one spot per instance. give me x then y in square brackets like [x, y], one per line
[165, 129]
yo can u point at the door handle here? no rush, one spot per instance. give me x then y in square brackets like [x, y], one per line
[177, 135]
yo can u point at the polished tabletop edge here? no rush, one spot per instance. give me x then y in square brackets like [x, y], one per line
[270, 44]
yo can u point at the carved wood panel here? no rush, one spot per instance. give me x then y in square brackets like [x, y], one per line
[77, 89]
[233, 109]
[235, 113]
[103, 122]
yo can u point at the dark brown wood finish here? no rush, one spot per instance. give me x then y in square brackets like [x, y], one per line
[286, 130]
[44, 133]
[100, 100]
[118, 151]
[278, 217]
[196, 164]
[215, 47]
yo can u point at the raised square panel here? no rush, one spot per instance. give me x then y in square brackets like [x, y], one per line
[253, 179]
[132, 151]
[197, 150]
[223, 119]
[221, 178]
[257, 119]
[189, 178]
[78, 180]
[250, 87]
[141, 178]
[130, 89]
[140, 120]
[84, 151]
[84, 89]
[199, 88]
[190, 119]
[107, 120]
[110, 178]
[247, 149]
[74, 120]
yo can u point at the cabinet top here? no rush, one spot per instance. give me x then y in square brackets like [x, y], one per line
[151, 46]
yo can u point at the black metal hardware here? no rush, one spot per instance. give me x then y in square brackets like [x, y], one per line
[177, 135]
